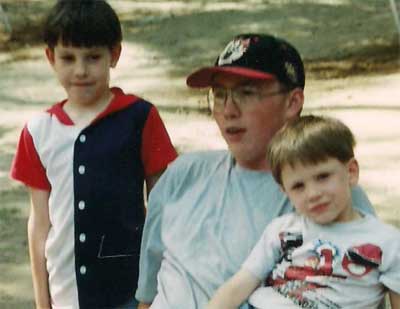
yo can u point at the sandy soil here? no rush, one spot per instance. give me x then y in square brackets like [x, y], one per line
[353, 69]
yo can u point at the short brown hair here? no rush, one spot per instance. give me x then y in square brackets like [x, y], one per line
[82, 23]
[310, 140]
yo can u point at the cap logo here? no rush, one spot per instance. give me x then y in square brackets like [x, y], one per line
[233, 51]
[291, 72]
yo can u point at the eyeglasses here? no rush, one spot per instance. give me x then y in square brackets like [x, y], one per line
[242, 96]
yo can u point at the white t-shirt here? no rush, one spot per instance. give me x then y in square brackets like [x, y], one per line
[342, 265]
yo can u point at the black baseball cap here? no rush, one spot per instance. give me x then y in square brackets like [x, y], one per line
[255, 56]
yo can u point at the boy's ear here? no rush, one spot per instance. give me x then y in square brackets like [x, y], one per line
[50, 55]
[353, 170]
[115, 54]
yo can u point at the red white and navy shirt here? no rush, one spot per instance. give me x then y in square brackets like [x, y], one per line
[95, 177]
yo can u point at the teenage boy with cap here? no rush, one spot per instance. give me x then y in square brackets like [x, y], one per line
[209, 209]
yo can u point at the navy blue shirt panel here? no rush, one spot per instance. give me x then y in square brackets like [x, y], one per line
[109, 207]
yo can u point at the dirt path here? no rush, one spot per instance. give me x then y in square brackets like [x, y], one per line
[353, 70]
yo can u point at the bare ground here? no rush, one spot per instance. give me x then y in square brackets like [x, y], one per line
[353, 68]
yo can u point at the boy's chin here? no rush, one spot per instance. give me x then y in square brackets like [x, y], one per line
[324, 220]
[84, 97]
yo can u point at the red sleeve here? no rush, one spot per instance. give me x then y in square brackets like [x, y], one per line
[26, 166]
[157, 149]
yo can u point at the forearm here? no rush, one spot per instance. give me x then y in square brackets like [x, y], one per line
[394, 300]
[38, 230]
[235, 291]
[227, 297]
[37, 235]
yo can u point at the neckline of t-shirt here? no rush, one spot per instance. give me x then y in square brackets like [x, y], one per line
[246, 171]
[342, 225]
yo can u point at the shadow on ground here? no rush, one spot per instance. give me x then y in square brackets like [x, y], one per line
[187, 34]
[164, 40]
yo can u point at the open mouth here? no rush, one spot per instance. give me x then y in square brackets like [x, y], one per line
[234, 134]
[234, 130]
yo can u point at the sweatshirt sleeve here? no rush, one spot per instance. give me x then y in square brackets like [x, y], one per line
[152, 246]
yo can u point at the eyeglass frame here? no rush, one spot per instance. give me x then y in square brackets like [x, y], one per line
[239, 103]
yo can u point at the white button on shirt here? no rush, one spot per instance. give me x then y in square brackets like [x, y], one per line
[82, 269]
[82, 138]
[81, 205]
[82, 237]
[81, 169]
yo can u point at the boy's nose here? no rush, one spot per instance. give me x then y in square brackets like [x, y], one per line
[80, 68]
[230, 108]
[313, 193]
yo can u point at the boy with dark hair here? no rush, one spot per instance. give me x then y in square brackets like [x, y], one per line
[325, 255]
[85, 161]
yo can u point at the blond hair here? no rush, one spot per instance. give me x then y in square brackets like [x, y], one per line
[310, 140]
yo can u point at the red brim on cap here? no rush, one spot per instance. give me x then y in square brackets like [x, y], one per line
[204, 77]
